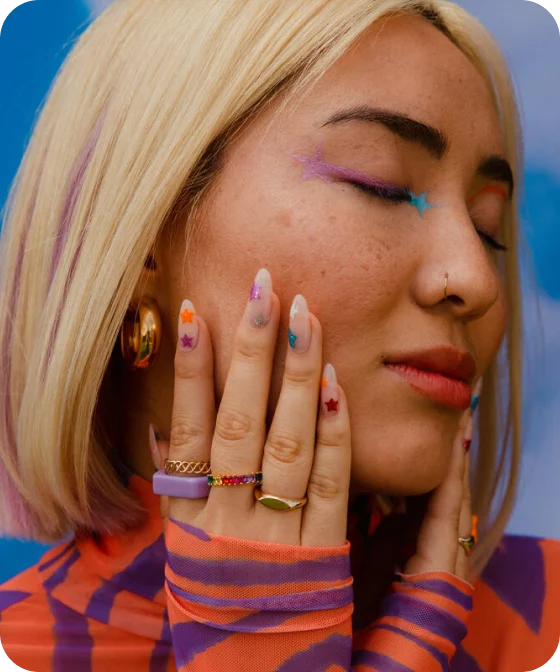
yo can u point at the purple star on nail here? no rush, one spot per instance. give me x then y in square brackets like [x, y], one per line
[187, 341]
[255, 292]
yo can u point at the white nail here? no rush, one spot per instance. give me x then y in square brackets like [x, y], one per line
[478, 388]
[154, 447]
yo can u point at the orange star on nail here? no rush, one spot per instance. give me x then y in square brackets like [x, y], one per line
[324, 382]
[186, 316]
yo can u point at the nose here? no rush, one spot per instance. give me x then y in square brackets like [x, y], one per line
[453, 246]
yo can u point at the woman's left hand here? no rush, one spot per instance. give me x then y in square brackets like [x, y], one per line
[448, 516]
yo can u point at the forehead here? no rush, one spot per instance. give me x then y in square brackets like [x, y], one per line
[406, 65]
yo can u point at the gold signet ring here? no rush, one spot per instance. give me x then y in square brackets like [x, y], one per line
[278, 503]
[467, 543]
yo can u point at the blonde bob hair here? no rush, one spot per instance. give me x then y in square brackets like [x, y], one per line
[128, 140]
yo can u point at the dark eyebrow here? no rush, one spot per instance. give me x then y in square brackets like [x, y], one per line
[493, 167]
[498, 169]
[408, 129]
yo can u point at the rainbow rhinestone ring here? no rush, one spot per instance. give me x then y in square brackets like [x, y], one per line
[245, 479]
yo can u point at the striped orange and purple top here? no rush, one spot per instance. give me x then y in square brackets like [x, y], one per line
[200, 602]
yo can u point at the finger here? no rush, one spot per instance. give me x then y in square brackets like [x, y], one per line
[465, 517]
[240, 430]
[193, 413]
[162, 451]
[289, 448]
[438, 537]
[326, 513]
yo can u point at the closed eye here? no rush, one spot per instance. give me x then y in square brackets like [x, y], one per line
[388, 192]
[397, 195]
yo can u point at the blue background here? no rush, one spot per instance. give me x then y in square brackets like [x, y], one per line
[37, 36]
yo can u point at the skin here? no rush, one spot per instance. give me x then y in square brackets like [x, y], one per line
[372, 272]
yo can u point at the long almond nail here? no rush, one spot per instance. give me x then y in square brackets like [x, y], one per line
[153, 447]
[260, 304]
[476, 395]
[299, 332]
[188, 326]
[329, 391]
[467, 436]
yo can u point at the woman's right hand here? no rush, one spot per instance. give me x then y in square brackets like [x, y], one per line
[304, 452]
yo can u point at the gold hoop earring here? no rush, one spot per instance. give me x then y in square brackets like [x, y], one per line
[141, 334]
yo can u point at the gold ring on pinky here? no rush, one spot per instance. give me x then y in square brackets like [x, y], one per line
[467, 543]
[183, 467]
[279, 503]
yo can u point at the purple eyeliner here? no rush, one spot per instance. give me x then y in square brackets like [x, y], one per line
[315, 166]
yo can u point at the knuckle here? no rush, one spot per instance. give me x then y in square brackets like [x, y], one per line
[284, 448]
[186, 435]
[336, 436]
[233, 426]
[248, 349]
[187, 367]
[297, 376]
[324, 486]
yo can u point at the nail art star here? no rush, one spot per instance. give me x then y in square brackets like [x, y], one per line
[421, 202]
[255, 292]
[331, 405]
[187, 341]
[292, 338]
[186, 316]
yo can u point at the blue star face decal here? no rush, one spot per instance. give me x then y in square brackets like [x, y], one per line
[421, 202]
[292, 338]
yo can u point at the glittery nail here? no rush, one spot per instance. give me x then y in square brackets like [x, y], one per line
[259, 304]
[299, 332]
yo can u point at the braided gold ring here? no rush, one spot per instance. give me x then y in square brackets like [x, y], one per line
[183, 467]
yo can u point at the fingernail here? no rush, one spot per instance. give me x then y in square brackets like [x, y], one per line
[476, 395]
[188, 326]
[329, 391]
[153, 447]
[467, 436]
[299, 333]
[259, 304]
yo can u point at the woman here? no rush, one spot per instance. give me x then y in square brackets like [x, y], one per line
[364, 156]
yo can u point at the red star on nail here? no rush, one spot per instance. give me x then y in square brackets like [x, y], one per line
[331, 405]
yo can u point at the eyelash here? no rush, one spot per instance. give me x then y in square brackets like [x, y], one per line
[397, 195]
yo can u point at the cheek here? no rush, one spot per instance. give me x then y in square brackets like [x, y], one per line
[319, 245]
[490, 332]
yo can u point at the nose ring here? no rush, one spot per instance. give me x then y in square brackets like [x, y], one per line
[445, 285]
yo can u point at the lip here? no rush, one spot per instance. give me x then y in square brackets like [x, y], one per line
[443, 374]
[445, 360]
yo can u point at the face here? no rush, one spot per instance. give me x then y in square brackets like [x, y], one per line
[339, 212]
